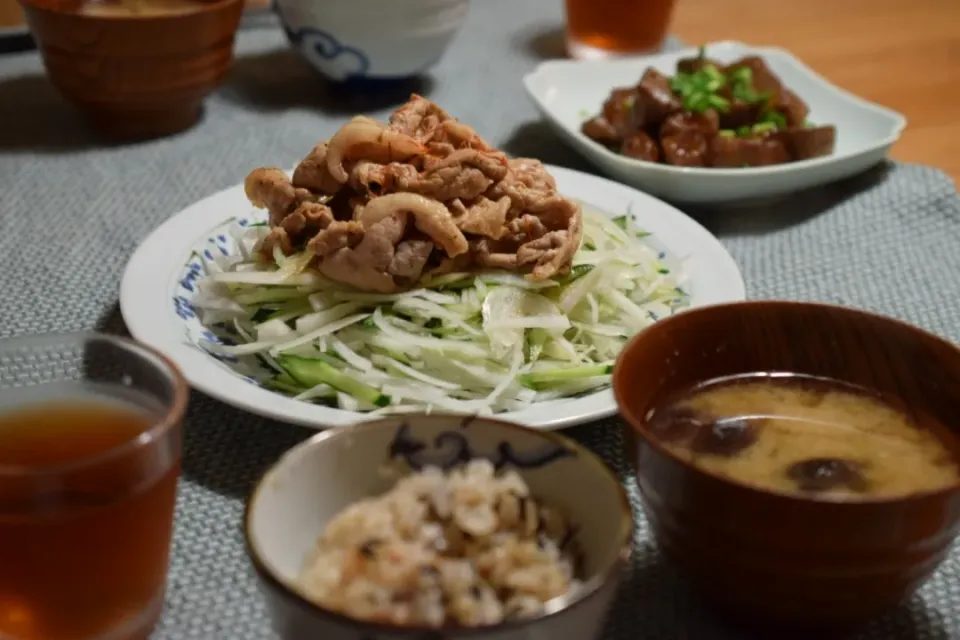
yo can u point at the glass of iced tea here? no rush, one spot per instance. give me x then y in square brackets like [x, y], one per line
[89, 461]
[606, 28]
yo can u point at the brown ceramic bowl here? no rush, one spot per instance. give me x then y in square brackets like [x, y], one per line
[768, 558]
[136, 77]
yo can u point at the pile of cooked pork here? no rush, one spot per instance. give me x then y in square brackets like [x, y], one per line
[385, 206]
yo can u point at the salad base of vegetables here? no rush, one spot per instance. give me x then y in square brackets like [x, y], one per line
[480, 342]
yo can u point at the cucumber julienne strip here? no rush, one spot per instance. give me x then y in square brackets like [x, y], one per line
[310, 372]
[537, 379]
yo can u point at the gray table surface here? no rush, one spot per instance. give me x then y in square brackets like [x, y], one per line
[73, 209]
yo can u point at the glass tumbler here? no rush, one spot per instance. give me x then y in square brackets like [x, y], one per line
[607, 28]
[90, 448]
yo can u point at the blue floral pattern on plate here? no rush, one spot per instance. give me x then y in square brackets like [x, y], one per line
[218, 243]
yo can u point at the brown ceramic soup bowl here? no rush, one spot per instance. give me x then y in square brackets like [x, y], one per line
[136, 76]
[789, 560]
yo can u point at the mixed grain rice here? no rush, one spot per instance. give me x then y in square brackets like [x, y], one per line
[468, 547]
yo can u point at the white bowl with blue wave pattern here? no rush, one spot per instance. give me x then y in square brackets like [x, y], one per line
[349, 40]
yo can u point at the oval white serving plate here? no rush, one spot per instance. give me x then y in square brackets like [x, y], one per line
[159, 283]
[566, 92]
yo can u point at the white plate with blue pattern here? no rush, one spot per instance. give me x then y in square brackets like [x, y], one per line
[159, 285]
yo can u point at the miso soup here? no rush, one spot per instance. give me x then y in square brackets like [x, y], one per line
[809, 436]
[138, 8]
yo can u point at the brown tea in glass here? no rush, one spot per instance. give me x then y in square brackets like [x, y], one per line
[602, 28]
[89, 462]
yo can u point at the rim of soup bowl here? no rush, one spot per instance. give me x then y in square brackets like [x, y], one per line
[587, 590]
[638, 424]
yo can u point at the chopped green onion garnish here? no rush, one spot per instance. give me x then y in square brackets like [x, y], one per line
[718, 102]
[742, 75]
[699, 89]
[713, 73]
[777, 119]
[680, 83]
[698, 102]
[742, 89]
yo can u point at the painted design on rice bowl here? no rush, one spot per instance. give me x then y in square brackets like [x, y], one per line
[450, 449]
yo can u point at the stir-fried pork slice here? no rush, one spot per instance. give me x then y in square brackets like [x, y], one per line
[461, 135]
[440, 149]
[276, 238]
[492, 164]
[491, 254]
[555, 212]
[374, 179]
[365, 138]
[530, 189]
[532, 173]
[483, 218]
[419, 118]
[383, 205]
[551, 254]
[464, 174]
[461, 263]
[271, 189]
[428, 123]
[365, 265]
[339, 235]
[313, 174]
[524, 229]
[545, 253]
[430, 217]
[307, 219]
[447, 183]
[409, 259]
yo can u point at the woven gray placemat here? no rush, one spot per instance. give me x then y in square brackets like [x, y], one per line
[73, 211]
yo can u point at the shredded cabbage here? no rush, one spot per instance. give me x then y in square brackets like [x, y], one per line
[482, 343]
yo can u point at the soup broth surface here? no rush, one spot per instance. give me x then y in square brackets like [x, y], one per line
[805, 435]
[138, 8]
